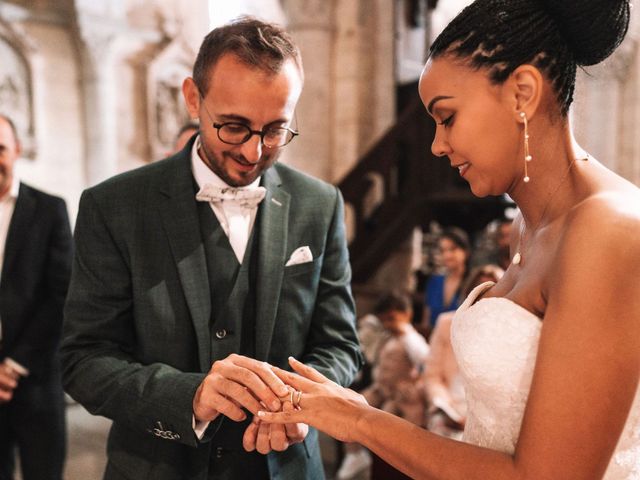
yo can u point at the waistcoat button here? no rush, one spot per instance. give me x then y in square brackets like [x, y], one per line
[221, 333]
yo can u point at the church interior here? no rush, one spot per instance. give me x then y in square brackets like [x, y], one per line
[94, 89]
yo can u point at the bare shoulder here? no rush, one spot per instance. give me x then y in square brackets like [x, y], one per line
[610, 215]
[600, 243]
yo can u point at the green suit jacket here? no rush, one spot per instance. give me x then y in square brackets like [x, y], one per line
[137, 337]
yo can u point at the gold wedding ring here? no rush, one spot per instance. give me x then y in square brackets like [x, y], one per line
[296, 404]
[293, 397]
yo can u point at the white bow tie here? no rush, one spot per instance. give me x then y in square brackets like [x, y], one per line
[249, 198]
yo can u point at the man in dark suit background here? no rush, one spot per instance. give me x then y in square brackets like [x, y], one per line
[35, 257]
[192, 273]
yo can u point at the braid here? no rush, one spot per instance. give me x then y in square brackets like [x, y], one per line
[500, 35]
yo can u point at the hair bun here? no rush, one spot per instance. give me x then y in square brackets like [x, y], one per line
[593, 28]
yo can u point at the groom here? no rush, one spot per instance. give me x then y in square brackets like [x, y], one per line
[191, 273]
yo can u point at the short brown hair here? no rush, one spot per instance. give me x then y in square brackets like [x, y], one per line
[262, 45]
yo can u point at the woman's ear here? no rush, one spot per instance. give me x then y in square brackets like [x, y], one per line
[525, 86]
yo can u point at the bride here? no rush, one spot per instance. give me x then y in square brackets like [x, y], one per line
[551, 353]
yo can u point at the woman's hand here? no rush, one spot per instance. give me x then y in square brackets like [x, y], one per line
[324, 404]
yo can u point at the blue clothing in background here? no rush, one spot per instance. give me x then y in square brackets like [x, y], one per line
[434, 298]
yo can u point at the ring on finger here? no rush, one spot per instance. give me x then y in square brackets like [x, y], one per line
[298, 397]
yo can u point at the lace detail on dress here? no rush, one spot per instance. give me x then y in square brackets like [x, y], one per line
[626, 459]
[495, 341]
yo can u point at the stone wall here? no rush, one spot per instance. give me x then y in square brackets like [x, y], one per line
[84, 79]
[94, 86]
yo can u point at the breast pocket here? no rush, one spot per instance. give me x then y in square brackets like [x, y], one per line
[302, 268]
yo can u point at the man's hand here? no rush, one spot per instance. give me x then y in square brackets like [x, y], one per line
[267, 437]
[8, 382]
[235, 383]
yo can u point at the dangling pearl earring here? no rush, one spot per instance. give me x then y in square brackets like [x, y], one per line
[527, 156]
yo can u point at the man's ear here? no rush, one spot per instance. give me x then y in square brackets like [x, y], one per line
[191, 97]
[524, 87]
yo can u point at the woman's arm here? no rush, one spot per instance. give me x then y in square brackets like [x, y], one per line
[585, 378]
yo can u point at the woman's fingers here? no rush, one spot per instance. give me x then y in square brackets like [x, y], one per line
[305, 378]
[293, 416]
[293, 379]
[307, 371]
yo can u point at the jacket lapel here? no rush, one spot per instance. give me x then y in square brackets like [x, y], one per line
[178, 210]
[271, 259]
[22, 218]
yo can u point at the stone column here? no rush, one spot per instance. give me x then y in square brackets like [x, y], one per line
[310, 23]
[97, 28]
[606, 114]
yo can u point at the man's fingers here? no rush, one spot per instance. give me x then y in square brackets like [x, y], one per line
[239, 393]
[238, 383]
[296, 432]
[228, 408]
[251, 435]
[263, 444]
[5, 395]
[264, 371]
[208, 404]
[7, 380]
[249, 373]
[278, 438]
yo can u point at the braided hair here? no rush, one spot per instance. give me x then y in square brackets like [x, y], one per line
[556, 36]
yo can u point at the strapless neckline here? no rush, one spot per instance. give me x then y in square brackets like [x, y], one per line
[472, 301]
[495, 341]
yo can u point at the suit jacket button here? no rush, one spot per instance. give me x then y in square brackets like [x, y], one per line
[221, 333]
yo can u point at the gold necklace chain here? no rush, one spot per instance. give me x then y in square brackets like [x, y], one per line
[517, 257]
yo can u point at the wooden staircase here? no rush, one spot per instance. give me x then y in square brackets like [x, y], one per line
[417, 188]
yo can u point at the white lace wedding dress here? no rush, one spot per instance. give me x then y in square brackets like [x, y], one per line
[495, 341]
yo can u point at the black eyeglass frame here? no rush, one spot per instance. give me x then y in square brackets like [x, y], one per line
[250, 132]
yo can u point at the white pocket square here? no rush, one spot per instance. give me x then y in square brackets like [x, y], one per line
[299, 255]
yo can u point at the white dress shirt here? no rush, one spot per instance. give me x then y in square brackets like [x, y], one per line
[236, 221]
[229, 216]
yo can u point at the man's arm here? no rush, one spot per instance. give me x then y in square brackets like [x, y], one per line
[100, 369]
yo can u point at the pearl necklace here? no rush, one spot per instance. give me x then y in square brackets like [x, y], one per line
[517, 257]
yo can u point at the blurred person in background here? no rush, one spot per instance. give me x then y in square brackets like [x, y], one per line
[395, 386]
[442, 291]
[442, 381]
[185, 133]
[35, 259]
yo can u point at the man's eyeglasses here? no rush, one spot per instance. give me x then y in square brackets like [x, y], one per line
[235, 133]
